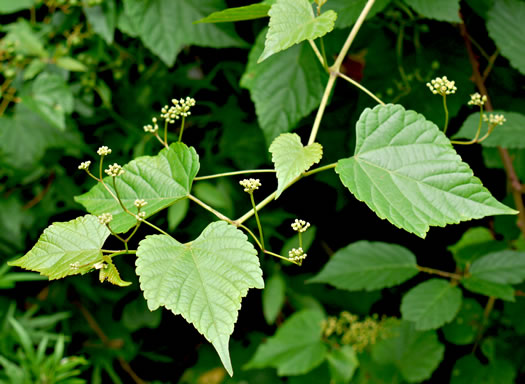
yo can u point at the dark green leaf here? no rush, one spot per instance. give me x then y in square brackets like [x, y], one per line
[489, 288]
[247, 12]
[342, 363]
[443, 10]
[466, 325]
[273, 297]
[103, 19]
[469, 370]
[348, 11]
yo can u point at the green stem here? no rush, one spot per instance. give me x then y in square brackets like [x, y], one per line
[322, 106]
[259, 206]
[257, 219]
[446, 113]
[280, 257]
[101, 167]
[320, 169]
[128, 252]
[210, 209]
[182, 128]
[252, 235]
[361, 87]
[323, 52]
[300, 239]
[134, 231]
[475, 139]
[234, 173]
[432, 271]
[316, 51]
[160, 140]
[166, 131]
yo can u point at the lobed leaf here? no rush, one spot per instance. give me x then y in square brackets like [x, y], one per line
[160, 180]
[204, 280]
[66, 249]
[293, 21]
[503, 267]
[406, 171]
[247, 12]
[431, 304]
[368, 266]
[291, 159]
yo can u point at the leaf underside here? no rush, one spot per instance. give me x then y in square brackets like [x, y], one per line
[407, 172]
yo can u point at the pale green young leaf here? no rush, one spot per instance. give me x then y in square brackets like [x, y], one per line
[431, 304]
[204, 280]
[247, 12]
[368, 266]
[291, 159]
[284, 88]
[296, 348]
[71, 64]
[10, 6]
[110, 273]
[166, 26]
[466, 325]
[160, 180]
[505, 26]
[503, 267]
[273, 297]
[103, 19]
[293, 21]
[416, 354]
[342, 363]
[442, 10]
[65, 249]
[509, 135]
[407, 172]
[489, 288]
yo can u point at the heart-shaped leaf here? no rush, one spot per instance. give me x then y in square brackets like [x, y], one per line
[65, 249]
[160, 180]
[204, 280]
[407, 172]
[291, 158]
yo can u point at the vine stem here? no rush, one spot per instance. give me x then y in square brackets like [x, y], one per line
[440, 273]
[362, 88]
[128, 252]
[280, 257]
[320, 169]
[210, 209]
[181, 128]
[252, 235]
[257, 219]
[322, 107]
[475, 139]
[446, 113]
[317, 52]
[234, 173]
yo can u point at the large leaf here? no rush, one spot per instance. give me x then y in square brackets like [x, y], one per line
[204, 280]
[293, 21]
[342, 363]
[348, 11]
[504, 267]
[407, 172]
[248, 12]
[65, 249]
[103, 19]
[296, 348]
[469, 370]
[273, 297]
[160, 180]
[509, 135]
[415, 354]
[489, 288]
[369, 266]
[284, 88]
[291, 159]
[431, 304]
[505, 26]
[10, 6]
[166, 26]
[443, 10]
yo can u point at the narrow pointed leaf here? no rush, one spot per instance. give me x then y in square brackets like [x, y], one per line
[160, 180]
[407, 172]
[111, 274]
[296, 348]
[291, 159]
[204, 280]
[248, 12]
[293, 21]
[368, 266]
[431, 304]
[504, 267]
[68, 248]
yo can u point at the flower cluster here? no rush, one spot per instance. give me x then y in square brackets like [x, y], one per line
[104, 151]
[180, 108]
[115, 170]
[250, 185]
[100, 265]
[84, 165]
[140, 203]
[494, 119]
[477, 99]
[140, 216]
[297, 255]
[442, 86]
[152, 128]
[105, 218]
[300, 225]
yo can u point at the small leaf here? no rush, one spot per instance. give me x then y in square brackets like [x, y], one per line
[469, 370]
[296, 348]
[348, 11]
[415, 354]
[489, 288]
[293, 21]
[248, 12]
[160, 180]
[10, 6]
[505, 26]
[443, 10]
[291, 159]
[368, 266]
[509, 135]
[342, 363]
[70, 64]
[176, 213]
[204, 280]
[66, 249]
[474, 243]
[431, 304]
[504, 267]
[406, 171]
[111, 274]
[103, 19]
[273, 297]
[465, 326]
